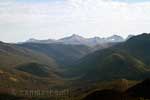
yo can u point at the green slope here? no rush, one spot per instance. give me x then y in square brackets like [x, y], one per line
[125, 60]
[12, 55]
[138, 46]
[35, 69]
[24, 68]
[63, 54]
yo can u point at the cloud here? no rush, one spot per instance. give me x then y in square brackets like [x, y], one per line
[22, 20]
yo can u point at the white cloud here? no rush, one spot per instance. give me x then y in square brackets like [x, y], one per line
[22, 20]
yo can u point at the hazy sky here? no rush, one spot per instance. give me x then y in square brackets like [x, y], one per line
[43, 19]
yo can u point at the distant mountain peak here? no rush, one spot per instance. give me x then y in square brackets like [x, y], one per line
[73, 39]
[129, 36]
[115, 38]
[142, 37]
[75, 36]
[32, 40]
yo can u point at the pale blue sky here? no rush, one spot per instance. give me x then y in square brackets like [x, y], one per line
[132, 1]
[39, 1]
[43, 19]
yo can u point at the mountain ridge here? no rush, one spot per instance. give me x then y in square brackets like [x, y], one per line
[130, 59]
[79, 40]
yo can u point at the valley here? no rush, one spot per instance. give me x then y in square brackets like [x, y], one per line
[73, 70]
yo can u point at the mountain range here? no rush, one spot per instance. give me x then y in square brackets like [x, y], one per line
[129, 60]
[62, 53]
[83, 64]
[79, 40]
[70, 49]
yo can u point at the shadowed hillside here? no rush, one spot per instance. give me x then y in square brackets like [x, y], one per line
[64, 54]
[125, 60]
[139, 91]
[24, 68]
